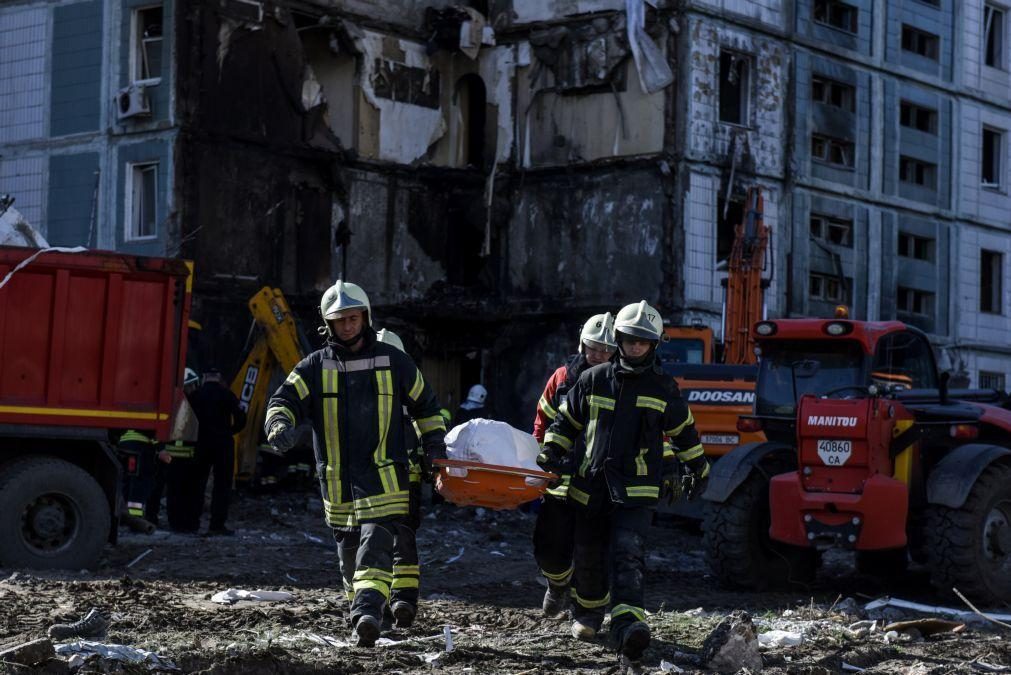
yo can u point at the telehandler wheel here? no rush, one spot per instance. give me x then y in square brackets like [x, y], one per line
[738, 547]
[969, 548]
[53, 515]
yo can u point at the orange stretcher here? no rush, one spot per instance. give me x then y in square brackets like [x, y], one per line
[492, 486]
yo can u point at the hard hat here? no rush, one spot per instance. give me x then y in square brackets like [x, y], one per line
[389, 337]
[477, 394]
[598, 332]
[639, 320]
[190, 377]
[344, 296]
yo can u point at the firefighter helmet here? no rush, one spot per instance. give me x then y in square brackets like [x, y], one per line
[344, 296]
[639, 320]
[598, 332]
[389, 337]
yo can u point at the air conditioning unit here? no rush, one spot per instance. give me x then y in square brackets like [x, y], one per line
[131, 102]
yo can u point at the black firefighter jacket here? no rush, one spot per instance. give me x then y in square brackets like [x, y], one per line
[624, 417]
[356, 405]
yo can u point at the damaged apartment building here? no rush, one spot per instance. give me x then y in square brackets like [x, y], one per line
[494, 171]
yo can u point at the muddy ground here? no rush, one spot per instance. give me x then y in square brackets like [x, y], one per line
[478, 578]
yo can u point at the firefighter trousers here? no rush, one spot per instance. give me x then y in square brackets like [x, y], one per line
[405, 586]
[139, 459]
[406, 564]
[554, 538]
[366, 561]
[610, 541]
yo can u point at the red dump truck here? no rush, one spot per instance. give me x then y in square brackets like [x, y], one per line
[91, 344]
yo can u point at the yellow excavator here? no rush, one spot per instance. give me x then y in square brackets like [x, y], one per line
[275, 350]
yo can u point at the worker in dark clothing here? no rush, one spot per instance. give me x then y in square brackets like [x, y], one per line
[474, 407]
[353, 391]
[555, 526]
[219, 416]
[625, 409]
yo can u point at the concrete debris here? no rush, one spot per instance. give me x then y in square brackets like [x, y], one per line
[15, 230]
[29, 653]
[580, 55]
[668, 667]
[233, 595]
[732, 645]
[114, 652]
[850, 607]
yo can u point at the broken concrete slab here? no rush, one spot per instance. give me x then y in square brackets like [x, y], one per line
[28, 653]
[732, 645]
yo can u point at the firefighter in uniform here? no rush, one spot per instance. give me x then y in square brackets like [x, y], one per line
[624, 410]
[180, 452]
[353, 391]
[140, 455]
[553, 532]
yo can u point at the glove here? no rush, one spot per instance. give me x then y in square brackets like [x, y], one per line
[282, 436]
[433, 451]
[670, 487]
[551, 460]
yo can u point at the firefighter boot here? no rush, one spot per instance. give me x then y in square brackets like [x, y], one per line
[556, 598]
[367, 631]
[634, 641]
[404, 612]
[586, 627]
[93, 625]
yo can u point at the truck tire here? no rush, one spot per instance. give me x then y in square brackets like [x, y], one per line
[738, 547]
[53, 515]
[969, 548]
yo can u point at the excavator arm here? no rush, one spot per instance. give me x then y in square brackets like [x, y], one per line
[745, 285]
[277, 348]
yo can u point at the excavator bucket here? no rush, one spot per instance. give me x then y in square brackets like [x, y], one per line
[468, 483]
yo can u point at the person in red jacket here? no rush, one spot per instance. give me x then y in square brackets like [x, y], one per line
[553, 532]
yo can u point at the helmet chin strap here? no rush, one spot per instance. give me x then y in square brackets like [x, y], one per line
[636, 363]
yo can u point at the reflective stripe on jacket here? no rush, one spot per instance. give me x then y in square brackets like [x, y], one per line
[355, 403]
[624, 417]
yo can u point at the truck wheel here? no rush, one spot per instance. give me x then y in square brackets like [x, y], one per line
[738, 547]
[970, 547]
[53, 515]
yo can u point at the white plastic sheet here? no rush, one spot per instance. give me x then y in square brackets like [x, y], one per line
[491, 442]
[235, 594]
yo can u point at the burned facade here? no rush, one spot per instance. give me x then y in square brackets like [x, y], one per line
[494, 172]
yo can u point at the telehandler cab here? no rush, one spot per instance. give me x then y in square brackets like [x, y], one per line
[867, 450]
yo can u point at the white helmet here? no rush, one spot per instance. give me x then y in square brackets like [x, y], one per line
[598, 332]
[344, 296]
[477, 394]
[190, 377]
[639, 320]
[389, 337]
